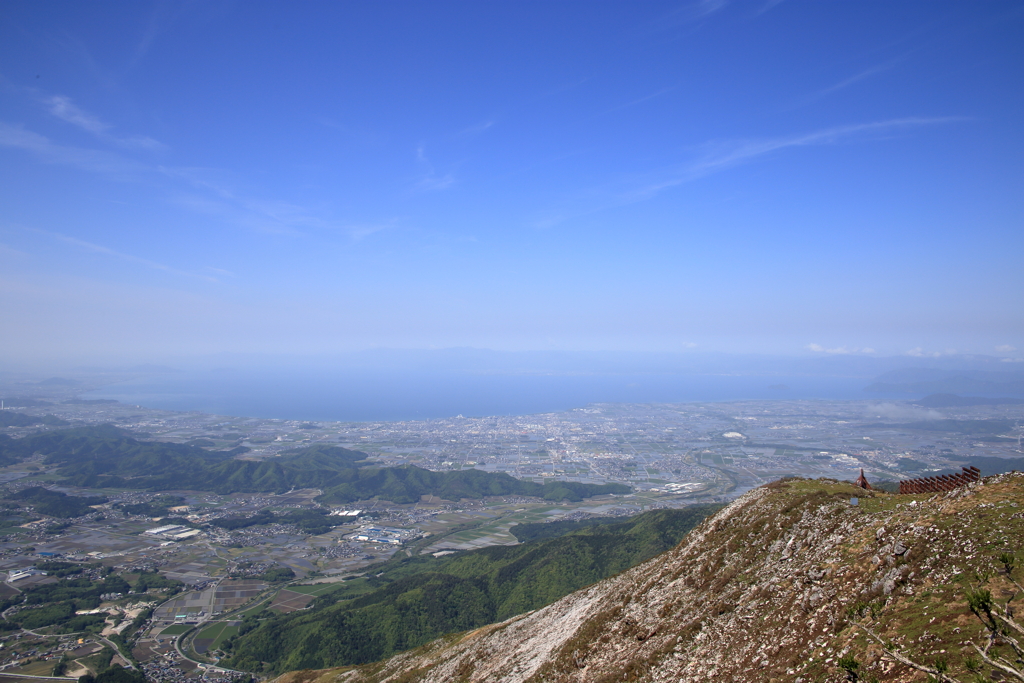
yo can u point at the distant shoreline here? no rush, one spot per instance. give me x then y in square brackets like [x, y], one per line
[368, 397]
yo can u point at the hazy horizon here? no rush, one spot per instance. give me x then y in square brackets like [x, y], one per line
[487, 360]
[392, 384]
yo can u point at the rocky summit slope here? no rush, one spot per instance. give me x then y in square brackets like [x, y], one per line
[784, 584]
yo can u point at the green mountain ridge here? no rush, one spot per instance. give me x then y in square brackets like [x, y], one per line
[421, 598]
[110, 457]
[9, 418]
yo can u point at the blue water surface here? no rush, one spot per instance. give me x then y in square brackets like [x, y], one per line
[379, 396]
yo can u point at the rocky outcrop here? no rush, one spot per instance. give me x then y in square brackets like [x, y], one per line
[778, 586]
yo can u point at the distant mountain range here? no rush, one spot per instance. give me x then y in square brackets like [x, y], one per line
[954, 401]
[937, 381]
[59, 382]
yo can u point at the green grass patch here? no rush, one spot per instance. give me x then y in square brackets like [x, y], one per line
[213, 631]
[258, 607]
[349, 589]
[175, 630]
[224, 634]
[315, 589]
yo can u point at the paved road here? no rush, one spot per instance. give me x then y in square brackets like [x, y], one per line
[199, 627]
[115, 648]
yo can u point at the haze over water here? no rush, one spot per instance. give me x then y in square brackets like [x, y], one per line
[372, 396]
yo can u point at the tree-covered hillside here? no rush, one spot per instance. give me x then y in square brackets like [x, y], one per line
[406, 484]
[535, 531]
[420, 598]
[109, 457]
[56, 503]
[10, 418]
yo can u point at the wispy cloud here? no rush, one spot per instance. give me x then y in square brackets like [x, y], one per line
[435, 182]
[364, 230]
[149, 35]
[692, 11]
[220, 271]
[866, 73]
[1006, 348]
[236, 213]
[721, 156]
[430, 180]
[475, 129]
[262, 215]
[86, 159]
[840, 350]
[107, 251]
[216, 198]
[686, 15]
[845, 83]
[706, 7]
[64, 109]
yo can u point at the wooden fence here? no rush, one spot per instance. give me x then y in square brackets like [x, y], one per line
[945, 482]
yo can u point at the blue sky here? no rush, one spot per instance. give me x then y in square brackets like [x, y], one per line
[766, 176]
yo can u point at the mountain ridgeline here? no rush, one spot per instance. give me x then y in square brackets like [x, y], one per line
[110, 457]
[414, 600]
[790, 582]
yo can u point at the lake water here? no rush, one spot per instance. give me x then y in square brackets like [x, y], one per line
[378, 396]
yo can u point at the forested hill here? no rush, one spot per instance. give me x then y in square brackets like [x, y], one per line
[10, 418]
[110, 457]
[406, 484]
[421, 598]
